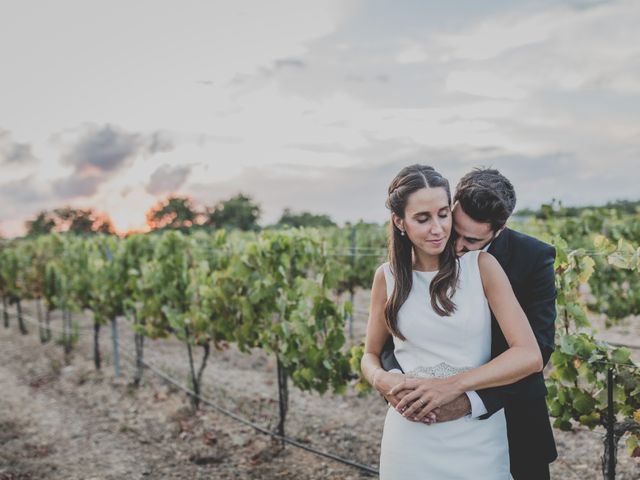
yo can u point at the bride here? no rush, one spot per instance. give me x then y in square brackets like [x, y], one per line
[436, 306]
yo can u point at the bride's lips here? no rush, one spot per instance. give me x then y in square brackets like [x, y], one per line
[436, 243]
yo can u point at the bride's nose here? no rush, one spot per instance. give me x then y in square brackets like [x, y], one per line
[436, 227]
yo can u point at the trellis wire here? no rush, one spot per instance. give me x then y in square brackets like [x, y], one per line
[291, 441]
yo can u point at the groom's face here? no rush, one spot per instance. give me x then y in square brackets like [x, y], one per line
[471, 234]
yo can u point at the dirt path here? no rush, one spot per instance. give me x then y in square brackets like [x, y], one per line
[44, 437]
[72, 422]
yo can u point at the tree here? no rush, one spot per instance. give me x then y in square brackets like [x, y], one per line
[43, 224]
[82, 221]
[238, 212]
[103, 224]
[176, 213]
[304, 219]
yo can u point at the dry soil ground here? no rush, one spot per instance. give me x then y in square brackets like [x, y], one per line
[72, 422]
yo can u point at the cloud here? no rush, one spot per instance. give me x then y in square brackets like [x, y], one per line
[356, 78]
[77, 186]
[103, 149]
[108, 148]
[205, 138]
[484, 84]
[348, 193]
[288, 63]
[21, 199]
[284, 67]
[23, 190]
[323, 147]
[167, 179]
[159, 142]
[545, 90]
[554, 85]
[14, 153]
[496, 36]
[345, 193]
[564, 47]
[100, 153]
[413, 52]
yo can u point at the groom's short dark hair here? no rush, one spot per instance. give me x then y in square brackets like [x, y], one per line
[486, 196]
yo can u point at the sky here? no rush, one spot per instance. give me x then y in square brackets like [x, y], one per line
[311, 105]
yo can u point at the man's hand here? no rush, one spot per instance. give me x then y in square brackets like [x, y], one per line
[455, 409]
[385, 381]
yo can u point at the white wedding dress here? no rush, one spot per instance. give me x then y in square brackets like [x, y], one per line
[439, 346]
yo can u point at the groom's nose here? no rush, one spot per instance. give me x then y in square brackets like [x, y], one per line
[460, 247]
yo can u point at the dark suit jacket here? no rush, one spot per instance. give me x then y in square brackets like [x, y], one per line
[528, 263]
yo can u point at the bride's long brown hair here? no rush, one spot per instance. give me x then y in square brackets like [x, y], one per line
[443, 285]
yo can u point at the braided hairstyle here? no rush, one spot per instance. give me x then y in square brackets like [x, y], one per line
[409, 180]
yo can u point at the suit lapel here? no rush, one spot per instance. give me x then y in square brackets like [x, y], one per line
[500, 248]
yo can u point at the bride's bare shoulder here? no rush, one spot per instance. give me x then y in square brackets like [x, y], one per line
[379, 279]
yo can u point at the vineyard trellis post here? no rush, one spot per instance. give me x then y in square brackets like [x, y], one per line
[42, 330]
[66, 335]
[5, 311]
[138, 339]
[609, 457]
[114, 325]
[195, 401]
[97, 360]
[283, 397]
[47, 323]
[23, 328]
[116, 352]
[351, 286]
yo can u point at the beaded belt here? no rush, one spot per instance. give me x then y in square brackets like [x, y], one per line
[441, 370]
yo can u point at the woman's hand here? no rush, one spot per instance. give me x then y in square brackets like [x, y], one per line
[425, 394]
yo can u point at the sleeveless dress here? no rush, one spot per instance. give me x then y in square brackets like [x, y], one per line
[437, 346]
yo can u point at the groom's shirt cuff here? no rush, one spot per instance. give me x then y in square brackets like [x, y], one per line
[477, 405]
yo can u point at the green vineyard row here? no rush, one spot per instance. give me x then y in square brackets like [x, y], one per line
[285, 292]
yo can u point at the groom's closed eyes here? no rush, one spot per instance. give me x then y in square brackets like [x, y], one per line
[470, 234]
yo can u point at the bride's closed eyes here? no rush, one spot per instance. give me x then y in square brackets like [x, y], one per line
[423, 217]
[426, 219]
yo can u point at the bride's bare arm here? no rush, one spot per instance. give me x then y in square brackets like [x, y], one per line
[377, 334]
[521, 359]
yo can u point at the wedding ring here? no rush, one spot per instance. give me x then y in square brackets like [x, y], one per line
[421, 402]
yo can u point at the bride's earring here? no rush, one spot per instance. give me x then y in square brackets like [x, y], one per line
[402, 232]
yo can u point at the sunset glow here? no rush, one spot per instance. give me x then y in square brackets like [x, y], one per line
[337, 98]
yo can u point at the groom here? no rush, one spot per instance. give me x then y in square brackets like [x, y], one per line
[483, 202]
